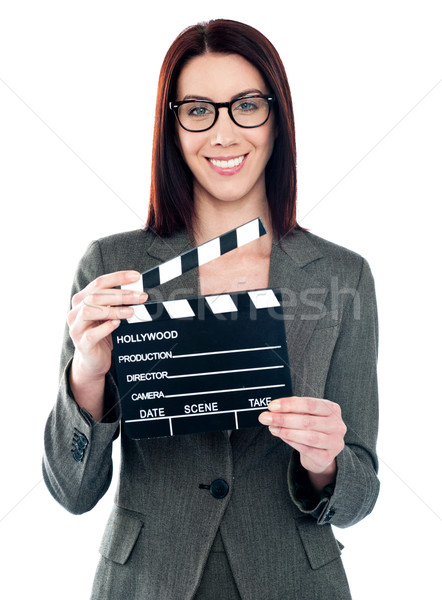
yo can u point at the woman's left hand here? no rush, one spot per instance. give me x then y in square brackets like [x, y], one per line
[312, 426]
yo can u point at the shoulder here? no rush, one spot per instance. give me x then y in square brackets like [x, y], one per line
[324, 258]
[114, 252]
[122, 251]
[330, 251]
[126, 241]
[140, 249]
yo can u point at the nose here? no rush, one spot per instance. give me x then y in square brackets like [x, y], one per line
[224, 132]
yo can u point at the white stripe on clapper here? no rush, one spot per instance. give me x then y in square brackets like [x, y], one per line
[209, 251]
[264, 298]
[178, 309]
[247, 233]
[140, 314]
[170, 269]
[221, 303]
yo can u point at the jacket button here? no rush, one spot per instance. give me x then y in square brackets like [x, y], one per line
[219, 488]
[77, 454]
[82, 441]
[79, 444]
[329, 515]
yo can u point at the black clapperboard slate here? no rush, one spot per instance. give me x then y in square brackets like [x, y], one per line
[208, 363]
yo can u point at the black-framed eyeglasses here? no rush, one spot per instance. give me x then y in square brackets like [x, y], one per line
[246, 111]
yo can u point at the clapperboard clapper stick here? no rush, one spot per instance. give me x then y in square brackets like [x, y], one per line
[196, 257]
[208, 363]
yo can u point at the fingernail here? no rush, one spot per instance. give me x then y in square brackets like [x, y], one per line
[265, 418]
[274, 405]
[141, 296]
[125, 311]
[274, 430]
[133, 276]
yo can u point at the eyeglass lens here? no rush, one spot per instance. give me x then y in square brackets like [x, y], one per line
[246, 112]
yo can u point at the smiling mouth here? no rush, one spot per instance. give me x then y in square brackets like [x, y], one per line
[227, 164]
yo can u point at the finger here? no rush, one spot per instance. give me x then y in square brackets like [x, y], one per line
[94, 335]
[317, 457]
[84, 317]
[104, 313]
[114, 297]
[311, 439]
[303, 422]
[107, 281]
[305, 405]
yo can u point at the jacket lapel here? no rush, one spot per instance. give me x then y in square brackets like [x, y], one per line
[164, 249]
[303, 296]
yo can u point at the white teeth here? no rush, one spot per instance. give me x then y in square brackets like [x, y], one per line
[227, 164]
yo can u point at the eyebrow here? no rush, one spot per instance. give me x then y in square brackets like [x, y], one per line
[238, 95]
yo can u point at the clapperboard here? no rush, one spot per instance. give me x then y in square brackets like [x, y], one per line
[208, 363]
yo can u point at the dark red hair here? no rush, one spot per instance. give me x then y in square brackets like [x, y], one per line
[171, 196]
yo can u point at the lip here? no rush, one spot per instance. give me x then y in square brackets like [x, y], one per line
[226, 170]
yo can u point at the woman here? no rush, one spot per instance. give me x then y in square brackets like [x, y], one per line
[224, 153]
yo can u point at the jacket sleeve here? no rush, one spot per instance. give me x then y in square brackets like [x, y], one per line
[352, 383]
[77, 461]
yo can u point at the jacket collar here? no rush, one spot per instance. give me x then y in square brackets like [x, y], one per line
[164, 249]
[296, 245]
[299, 248]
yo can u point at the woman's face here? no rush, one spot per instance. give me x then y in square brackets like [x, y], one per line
[221, 78]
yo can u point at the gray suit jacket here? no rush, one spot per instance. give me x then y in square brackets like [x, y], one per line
[276, 533]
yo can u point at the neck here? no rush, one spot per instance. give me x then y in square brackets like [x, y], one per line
[212, 220]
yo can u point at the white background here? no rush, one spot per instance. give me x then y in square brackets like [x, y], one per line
[77, 91]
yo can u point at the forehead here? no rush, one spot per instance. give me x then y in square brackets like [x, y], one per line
[218, 77]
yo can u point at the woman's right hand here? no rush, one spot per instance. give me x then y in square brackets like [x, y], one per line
[96, 313]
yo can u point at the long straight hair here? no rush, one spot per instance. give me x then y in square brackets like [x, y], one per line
[171, 204]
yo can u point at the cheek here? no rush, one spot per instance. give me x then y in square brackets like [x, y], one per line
[189, 145]
[272, 134]
[266, 143]
[264, 138]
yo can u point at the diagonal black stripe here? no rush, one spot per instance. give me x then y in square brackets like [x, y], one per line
[189, 260]
[151, 279]
[228, 241]
[262, 229]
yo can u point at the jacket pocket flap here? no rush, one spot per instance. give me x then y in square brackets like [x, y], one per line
[120, 536]
[319, 542]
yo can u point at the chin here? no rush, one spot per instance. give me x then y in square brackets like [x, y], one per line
[228, 198]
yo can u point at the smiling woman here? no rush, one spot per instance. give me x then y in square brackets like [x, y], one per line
[227, 160]
[224, 515]
[172, 188]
